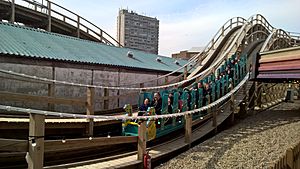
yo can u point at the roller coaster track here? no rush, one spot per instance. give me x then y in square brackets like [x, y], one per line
[230, 37]
[222, 40]
[52, 17]
[256, 24]
[253, 30]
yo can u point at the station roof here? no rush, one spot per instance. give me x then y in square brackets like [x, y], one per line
[28, 42]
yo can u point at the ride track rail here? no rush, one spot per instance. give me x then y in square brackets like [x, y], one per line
[199, 126]
[234, 45]
[242, 32]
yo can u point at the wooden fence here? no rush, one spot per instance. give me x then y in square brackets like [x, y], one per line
[291, 159]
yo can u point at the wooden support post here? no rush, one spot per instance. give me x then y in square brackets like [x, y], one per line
[232, 108]
[101, 37]
[185, 72]
[51, 91]
[214, 115]
[35, 158]
[49, 16]
[118, 92]
[90, 95]
[166, 80]
[246, 93]
[78, 26]
[141, 85]
[142, 142]
[208, 102]
[255, 95]
[188, 129]
[290, 158]
[106, 101]
[13, 11]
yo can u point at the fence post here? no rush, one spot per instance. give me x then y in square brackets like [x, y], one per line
[51, 89]
[290, 158]
[142, 143]
[49, 17]
[106, 101]
[78, 26]
[214, 114]
[35, 158]
[208, 102]
[188, 129]
[90, 95]
[232, 108]
[185, 72]
[13, 11]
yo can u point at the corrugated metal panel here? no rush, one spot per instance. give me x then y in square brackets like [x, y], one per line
[28, 42]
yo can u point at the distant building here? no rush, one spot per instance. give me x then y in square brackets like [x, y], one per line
[138, 32]
[187, 54]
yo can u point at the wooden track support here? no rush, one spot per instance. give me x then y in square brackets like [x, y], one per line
[13, 11]
[142, 142]
[49, 17]
[232, 108]
[35, 158]
[214, 115]
[188, 129]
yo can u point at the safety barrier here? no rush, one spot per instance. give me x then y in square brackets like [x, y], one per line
[290, 160]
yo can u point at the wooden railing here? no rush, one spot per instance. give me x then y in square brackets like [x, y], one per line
[53, 10]
[290, 160]
[87, 102]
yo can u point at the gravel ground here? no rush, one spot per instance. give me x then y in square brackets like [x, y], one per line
[255, 142]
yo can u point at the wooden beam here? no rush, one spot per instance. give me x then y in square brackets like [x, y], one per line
[35, 158]
[188, 129]
[142, 142]
[185, 72]
[90, 109]
[214, 115]
[51, 90]
[232, 107]
[45, 99]
[49, 16]
[13, 12]
[78, 26]
[208, 116]
[14, 145]
[102, 98]
[290, 158]
[71, 144]
[106, 101]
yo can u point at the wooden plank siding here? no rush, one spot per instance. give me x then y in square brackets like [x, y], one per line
[13, 145]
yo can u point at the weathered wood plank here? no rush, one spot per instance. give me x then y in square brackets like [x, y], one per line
[45, 99]
[58, 145]
[13, 145]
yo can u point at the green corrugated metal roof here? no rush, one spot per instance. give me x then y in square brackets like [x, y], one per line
[33, 43]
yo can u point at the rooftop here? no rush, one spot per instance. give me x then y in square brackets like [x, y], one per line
[27, 42]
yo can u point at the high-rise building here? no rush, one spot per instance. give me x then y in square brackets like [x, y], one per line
[137, 31]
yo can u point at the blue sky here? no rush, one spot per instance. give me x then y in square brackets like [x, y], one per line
[187, 23]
